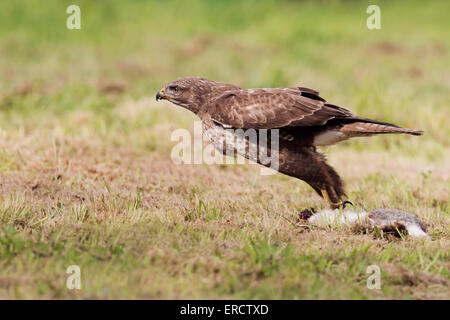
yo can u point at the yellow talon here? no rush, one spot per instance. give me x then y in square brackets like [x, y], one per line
[331, 204]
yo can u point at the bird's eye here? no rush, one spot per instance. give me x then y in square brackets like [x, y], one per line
[173, 88]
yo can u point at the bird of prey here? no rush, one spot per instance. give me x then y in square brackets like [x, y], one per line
[303, 118]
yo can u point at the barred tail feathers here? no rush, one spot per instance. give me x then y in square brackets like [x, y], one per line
[376, 128]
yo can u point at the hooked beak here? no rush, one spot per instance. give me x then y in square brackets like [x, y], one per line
[160, 94]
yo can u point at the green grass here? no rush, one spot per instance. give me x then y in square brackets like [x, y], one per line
[85, 170]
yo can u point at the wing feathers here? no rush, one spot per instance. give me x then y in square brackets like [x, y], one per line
[267, 108]
[285, 107]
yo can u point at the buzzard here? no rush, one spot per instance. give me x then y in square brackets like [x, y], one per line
[303, 118]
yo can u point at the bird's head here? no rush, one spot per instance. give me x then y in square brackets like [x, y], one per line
[187, 92]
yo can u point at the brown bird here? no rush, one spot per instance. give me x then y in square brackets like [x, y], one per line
[304, 121]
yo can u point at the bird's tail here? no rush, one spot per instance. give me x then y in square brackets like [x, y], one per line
[373, 127]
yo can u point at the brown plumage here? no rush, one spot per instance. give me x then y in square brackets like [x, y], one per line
[304, 120]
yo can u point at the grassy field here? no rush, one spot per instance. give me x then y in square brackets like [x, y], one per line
[86, 176]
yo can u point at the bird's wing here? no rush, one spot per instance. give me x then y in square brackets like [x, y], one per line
[273, 108]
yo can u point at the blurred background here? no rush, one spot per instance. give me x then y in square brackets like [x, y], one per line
[128, 50]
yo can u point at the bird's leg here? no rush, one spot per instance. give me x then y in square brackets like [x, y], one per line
[331, 204]
[326, 197]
